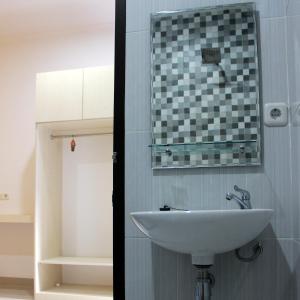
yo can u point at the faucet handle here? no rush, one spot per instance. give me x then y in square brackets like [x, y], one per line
[245, 194]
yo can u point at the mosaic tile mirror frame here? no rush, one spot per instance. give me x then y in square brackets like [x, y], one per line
[205, 88]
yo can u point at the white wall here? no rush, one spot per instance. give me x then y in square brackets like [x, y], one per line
[19, 63]
[87, 216]
[87, 190]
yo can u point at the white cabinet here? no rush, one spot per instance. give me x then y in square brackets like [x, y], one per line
[75, 94]
[98, 92]
[74, 223]
[59, 95]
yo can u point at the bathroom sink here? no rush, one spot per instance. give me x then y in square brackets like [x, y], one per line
[202, 233]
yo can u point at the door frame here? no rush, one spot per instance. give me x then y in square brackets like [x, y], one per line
[118, 197]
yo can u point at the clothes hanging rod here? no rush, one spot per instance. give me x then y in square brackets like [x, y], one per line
[58, 136]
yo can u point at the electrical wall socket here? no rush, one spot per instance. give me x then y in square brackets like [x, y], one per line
[4, 196]
[276, 114]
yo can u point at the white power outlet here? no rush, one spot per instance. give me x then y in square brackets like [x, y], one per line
[4, 196]
[276, 114]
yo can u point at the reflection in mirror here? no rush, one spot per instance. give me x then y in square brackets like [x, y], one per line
[205, 88]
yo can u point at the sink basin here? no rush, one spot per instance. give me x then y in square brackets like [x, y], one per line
[202, 233]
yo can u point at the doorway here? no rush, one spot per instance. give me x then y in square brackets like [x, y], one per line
[119, 153]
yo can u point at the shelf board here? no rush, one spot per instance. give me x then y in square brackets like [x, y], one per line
[203, 143]
[79, 261]
[16, 289]
[24, 219]
[97, 292]
[15, 294]
[62, 127]
[229, 146]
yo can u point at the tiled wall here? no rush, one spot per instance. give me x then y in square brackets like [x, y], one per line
[293, 54]
[153, 273]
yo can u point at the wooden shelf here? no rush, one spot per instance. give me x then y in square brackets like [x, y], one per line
[84, 291]
[79, 261]
[24, 219]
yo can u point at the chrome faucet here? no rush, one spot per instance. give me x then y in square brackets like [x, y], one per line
[244, 202]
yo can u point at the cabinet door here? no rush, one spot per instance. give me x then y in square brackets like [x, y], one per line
[98, 92]
[59, 95]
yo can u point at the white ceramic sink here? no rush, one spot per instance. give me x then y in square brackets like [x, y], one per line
[202, 233]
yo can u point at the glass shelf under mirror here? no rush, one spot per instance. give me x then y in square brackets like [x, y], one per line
[208, 154]
[203, 144]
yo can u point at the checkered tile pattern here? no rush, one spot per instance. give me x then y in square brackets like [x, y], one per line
[196, 102]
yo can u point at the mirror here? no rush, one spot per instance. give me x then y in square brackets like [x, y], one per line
[205, 88]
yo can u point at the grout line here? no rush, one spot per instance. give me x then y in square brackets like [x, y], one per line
[293, 16]
[275, 239]
[137, 132]
[177, 277]
[273, 18]
[291, 167]
[287, 6]
[135, 237]
[263, 239]
[279, 239]
[138, 31]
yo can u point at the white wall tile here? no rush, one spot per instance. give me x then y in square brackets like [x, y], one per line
[206, 188]
[267, 278]
[187, 275]
[151, 271]
[137, 103]
[138, 15]
[293, 46]
[164, 266]
[293, 41]
[273, 60]
[139, 11]
[295, 144]
[138, 178]
[165, 189]
[270, 186]
[271, 8]
[293, 7]
[296, 264]
[139, 276]
[284, 268]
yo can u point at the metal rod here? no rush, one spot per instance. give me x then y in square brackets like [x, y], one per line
[205, 283]
[78, 135]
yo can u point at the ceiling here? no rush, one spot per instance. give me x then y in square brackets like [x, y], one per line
[29, 17]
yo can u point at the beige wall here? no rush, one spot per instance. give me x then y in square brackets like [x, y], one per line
[19, 63]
